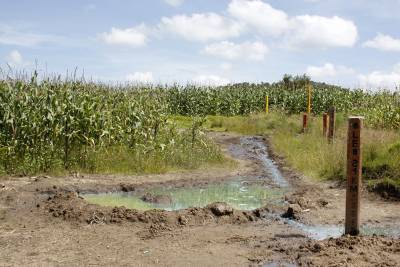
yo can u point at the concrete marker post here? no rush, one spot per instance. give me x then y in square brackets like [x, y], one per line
[267, 104]
[332, 122]
[354, 169]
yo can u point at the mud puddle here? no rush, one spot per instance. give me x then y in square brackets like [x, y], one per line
[241, 194]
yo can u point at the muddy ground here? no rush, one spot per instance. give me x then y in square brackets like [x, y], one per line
[45, 222]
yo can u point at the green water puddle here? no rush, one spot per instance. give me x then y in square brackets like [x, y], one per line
[237, 194]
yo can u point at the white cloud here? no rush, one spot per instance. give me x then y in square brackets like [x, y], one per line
[245, 17]
[201, 27]
[260, 15]
[131, 36]
[328, 70]
[384, 42]
[212, 80]
[15, 59]
[339, 74]
[297, 32]
[140, 77]
[380, 79]
[321, 32]
[174, 3]
[248, 50]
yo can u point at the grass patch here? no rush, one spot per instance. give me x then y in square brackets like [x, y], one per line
[124, 160]
[254, 124]
[182, 122]
[120, 160]
[177, 148]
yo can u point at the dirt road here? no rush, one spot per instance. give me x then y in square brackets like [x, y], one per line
[45, 222]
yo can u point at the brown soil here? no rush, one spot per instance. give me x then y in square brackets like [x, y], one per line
[44, 222]
[385, 190]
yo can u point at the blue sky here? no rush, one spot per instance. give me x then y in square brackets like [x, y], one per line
[352, 43]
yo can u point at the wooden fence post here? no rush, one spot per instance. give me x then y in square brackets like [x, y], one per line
[325, 118]
[354, 168]
[305, 122]
[309, 99]
[332, 121]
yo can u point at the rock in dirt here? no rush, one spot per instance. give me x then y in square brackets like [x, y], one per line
[182, 220]
[322, 203]
[303, 202]
[292, 212]
[220, 209]
[158, 199]
[127, 187]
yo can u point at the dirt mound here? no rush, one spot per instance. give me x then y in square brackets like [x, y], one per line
[220, 209]
[344, 251]
[71, 207]
[351, 251]
[386, 190]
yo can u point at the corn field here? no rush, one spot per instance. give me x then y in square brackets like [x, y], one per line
[381, 109]
[54, 124]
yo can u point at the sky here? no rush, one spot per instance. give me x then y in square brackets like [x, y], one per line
[351, 43]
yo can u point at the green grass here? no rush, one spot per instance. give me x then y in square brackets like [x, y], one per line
[185, 153]
[123, 160]
[182, 122]
[255, 124]
[311, 154]
[120, 160]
